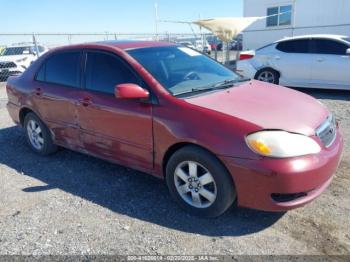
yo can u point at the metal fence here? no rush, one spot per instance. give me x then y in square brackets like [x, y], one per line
[18, 51]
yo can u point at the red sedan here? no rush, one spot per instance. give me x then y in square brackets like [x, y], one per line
[172, 112]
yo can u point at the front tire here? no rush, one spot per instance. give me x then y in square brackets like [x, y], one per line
[199, 183]
[38, 135]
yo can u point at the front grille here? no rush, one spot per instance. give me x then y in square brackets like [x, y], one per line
[7, 65]
[327, 132]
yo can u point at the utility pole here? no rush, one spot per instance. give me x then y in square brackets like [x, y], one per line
[293, 17]
[36, 45]
[202, 35]
[156, 19]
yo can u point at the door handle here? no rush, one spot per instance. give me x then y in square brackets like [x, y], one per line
[320, 59]
[38, 91]
[277, 57]
[85, 101]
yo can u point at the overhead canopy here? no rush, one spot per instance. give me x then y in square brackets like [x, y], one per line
[227, 28]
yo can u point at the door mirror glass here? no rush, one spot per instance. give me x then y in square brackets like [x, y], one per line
[348, 51]
[130, 91]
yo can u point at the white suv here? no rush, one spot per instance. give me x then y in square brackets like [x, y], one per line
[16, 59]
[313, 61]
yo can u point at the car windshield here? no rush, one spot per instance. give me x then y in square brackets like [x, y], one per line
[347, 39]
[182, 70]
[17, 50]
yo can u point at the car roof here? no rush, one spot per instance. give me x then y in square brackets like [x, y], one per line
[321, 36]
[128, 44]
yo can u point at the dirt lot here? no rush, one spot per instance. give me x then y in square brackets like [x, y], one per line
[70, 203]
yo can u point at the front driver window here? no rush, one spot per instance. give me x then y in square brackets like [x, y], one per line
[105, 71]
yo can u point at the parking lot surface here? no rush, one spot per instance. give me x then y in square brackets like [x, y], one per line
[70, 203]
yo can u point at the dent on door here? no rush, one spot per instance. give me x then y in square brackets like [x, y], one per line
[119, 130]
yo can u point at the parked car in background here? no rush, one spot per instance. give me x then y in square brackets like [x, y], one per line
[187, 44]
[198, 45]
[236, 45]
[15, 59]
[173, 112]
[312, 61]
[204, 49]
[232, 45]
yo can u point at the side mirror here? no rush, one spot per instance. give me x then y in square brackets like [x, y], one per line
[130, 91]
[348, 51]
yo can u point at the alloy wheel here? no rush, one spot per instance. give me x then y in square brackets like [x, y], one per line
[35, 135]
[195, 184]
[266, 76]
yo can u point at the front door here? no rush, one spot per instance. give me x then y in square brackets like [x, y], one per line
[116, 129]
[331, 64]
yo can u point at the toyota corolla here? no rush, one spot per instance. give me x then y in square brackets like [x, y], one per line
[170, 111]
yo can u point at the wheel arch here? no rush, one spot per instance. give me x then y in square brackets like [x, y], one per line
[176, 147]
[22, 114]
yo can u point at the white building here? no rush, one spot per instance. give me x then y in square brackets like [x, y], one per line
[294, 17]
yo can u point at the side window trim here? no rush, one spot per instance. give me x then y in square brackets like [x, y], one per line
[43, 64]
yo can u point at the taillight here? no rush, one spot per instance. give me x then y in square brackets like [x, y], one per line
[245, 56]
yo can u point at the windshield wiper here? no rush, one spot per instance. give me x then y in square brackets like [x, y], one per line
[221, 85]
[224, 84]
[194, 90]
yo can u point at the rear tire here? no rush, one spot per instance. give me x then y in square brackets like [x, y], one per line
[38, 135]
[199, 183]
[268, 75]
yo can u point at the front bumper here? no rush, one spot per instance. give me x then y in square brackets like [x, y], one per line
[258, 181]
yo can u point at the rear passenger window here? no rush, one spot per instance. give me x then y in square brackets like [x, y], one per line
[62, 69]
[294, 46]
[329, 47]
[105, 71]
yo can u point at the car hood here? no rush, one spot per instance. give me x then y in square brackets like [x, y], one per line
[11, 58]
[267, 106]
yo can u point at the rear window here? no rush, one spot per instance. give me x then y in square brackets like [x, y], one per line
[62, 69]
[328, 47]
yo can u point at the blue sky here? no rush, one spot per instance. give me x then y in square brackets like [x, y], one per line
[117, 16]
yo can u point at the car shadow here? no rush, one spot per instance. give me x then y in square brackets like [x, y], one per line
[340, 95]
[120, 189]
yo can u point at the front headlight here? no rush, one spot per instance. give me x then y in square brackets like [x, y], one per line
[281, 144]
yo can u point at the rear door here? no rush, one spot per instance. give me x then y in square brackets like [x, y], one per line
[57, 89]
[331, 64]
[293, 60]
[116, 129]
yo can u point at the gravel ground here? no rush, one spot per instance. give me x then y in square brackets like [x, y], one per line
[70, 203]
